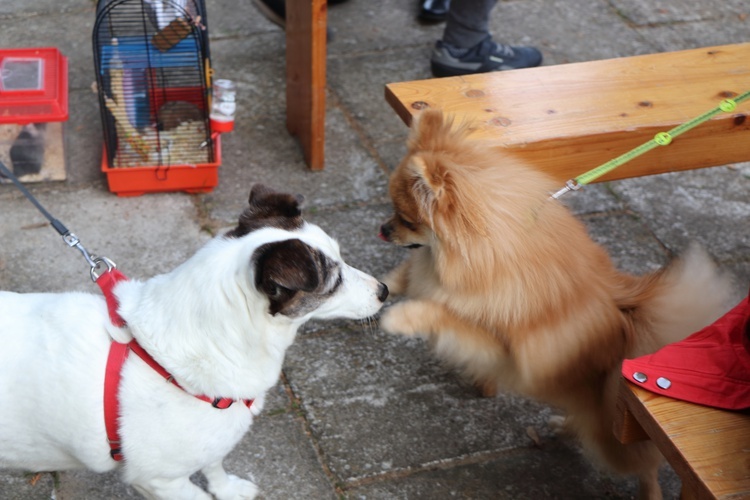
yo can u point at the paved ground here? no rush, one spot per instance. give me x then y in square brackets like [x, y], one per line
[358, 414]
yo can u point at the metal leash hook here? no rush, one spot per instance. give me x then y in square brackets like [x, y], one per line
[98, 261]
[95, 262]
[570, 185]
[73, 241]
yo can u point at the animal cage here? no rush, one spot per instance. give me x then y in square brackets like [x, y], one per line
[153, 80]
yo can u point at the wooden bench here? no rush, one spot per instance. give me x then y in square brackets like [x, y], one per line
[571, 118]
[708, 448]
[306, 77]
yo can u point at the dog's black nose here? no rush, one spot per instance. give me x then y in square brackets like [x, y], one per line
[382, 292]
[385, 232]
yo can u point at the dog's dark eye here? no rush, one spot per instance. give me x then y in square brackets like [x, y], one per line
[337, 283]
[407, 224]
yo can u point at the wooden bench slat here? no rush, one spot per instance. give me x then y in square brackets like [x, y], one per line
[709, 448]
[570, 118]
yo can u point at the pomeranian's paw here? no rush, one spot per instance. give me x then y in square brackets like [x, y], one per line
[236, 488]
[402, 319]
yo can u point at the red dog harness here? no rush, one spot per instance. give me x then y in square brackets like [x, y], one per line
[118, 353]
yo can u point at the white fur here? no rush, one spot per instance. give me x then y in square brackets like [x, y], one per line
[205, 322]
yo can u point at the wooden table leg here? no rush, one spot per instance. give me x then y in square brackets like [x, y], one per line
[626, 426]
[306, 76]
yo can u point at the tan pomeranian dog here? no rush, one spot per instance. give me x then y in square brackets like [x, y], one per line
[507, 285]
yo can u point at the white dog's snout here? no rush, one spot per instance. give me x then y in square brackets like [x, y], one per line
[362, 295]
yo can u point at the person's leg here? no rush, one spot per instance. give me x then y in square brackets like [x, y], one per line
[467, 46]
[468, 22]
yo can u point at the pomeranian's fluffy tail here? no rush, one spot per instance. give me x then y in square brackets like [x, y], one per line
[665, 307]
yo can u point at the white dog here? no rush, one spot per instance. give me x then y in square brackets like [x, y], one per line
[219, 324]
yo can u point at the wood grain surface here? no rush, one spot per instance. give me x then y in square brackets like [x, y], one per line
[570, 118]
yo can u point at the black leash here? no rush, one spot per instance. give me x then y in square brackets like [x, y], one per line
[59, 227]
[68, 237]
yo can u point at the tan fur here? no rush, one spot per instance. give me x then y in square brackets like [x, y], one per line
[508, 286]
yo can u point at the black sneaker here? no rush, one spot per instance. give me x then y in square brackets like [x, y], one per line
[434, 11]
[484, 57]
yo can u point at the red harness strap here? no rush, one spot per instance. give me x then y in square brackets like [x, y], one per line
[107, 282]
[118, 353]
[220, 403]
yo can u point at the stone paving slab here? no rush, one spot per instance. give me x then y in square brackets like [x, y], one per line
[547, 471]
[130, 231]
[18, 486]
[50, 27]
[351, 175]
[643, 12]
[367, 394]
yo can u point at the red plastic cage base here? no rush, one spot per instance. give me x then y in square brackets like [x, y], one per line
[136, 181]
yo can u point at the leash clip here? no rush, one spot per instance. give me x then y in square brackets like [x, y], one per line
[73, 242]
[570, 185]
[97, 262]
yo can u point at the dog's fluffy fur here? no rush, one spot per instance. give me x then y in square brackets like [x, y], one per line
[508, 286]
[220, 324]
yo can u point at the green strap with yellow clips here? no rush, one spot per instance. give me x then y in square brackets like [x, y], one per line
[660, 139]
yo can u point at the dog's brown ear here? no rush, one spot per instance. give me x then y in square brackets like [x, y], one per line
[269, 208]
[430, 180]
[433, 130]
[265, 199]
[257, 191]
[432, 119]
[426, 126]
[452, 209]
[283, 268]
